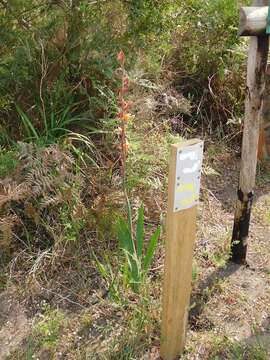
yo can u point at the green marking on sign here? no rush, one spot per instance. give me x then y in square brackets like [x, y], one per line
[268, 19]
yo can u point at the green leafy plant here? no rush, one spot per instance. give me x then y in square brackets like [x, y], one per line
[56, 124]
[105, 270]
[8, 161]
[137, 263]
[138, 259]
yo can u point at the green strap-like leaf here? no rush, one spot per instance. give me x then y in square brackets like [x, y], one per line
[140, 232]
[127, 245]
[150, 251]
[129, 215]
[134, 267]
[124, 235]
[31, 131]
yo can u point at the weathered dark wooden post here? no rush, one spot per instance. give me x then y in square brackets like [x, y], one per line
[253, 22]
[264, 139]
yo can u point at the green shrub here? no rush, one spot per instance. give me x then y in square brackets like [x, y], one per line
[66, 49]
[8, 162]
[210, 61]
[69, 48]
[137, 261]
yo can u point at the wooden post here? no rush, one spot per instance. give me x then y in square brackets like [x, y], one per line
[264, 139]
[183, 194]
[253, 21]
[257, 61]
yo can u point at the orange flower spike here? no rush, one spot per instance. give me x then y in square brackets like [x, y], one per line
[126, 117]
[121, 57]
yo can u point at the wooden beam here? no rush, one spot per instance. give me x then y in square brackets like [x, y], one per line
[177, 283]
[253, 21]
[180, 238]
[257, 61]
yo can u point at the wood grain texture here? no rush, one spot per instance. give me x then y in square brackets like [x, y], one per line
[180, 238]
[253, 21]
[257, 61]
[256, 67]
[264, 139]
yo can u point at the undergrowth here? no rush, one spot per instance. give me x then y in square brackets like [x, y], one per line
[84, 143]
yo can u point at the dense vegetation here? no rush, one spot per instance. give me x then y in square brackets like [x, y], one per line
[58, 93]
[91, 94]
[59, 102]
[58, 60]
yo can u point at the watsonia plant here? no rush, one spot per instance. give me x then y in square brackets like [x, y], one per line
[138, 261]
[138, 258]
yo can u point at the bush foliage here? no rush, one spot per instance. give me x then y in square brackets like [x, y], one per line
[62, 113]
[59, 56]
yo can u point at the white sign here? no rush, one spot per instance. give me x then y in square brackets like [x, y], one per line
[188, 176]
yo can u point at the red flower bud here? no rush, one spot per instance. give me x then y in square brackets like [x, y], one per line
[121, 57]
[125, 105]
[120, 114]
[125, 83]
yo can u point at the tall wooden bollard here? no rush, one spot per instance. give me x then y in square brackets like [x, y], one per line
[256, 67]
[183, 196]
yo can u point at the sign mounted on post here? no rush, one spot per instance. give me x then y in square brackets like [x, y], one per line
[183, 196]
[188, 176]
